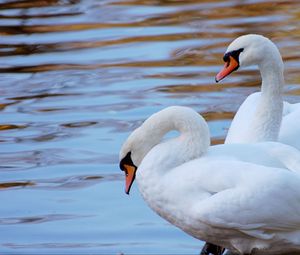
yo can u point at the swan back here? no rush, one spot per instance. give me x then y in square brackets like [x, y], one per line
[192, 127]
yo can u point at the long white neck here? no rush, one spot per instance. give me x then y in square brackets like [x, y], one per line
[193, 138]
[268, 115]
[192, 142]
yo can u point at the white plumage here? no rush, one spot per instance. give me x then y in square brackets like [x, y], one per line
[263, 116]
[244, 197]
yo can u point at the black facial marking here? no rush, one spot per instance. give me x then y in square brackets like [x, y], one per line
[226, 57]
[126, 161]
[235, 54]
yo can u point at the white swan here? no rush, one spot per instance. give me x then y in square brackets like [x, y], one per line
[263, 115]
[238, 196]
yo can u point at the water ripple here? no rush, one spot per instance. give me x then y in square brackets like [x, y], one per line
[38, 219]
[78, 76]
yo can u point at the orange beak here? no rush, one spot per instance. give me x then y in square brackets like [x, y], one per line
[129, 177]
[228, 68]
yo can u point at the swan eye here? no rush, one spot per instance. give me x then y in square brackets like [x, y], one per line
[226, 57]
[235, 54]
[126, 161]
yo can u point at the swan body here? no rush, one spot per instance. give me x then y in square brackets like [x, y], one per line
[263, 116]
[244, 197]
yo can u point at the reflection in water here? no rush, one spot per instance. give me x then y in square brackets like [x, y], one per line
[37, 219]
[21, 184]
[78, 76]
[11, 126]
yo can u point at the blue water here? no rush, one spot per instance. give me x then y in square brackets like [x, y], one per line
[76, 77]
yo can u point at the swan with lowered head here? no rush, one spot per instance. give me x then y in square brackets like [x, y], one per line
[238, 196]
[263, 116]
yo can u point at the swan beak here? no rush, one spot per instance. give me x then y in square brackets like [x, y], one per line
[129, 177]
[231, 65]
[129, 169]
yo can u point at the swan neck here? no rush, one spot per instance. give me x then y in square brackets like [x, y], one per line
[153, 173]
[271, 70]
[194, 137]
[268, 116]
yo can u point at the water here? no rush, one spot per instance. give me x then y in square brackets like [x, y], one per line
[76, 77]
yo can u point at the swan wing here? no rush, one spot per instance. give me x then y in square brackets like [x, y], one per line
[290, 127]
[242, 119]
[266, 200]
[287, 155]
[272, 154]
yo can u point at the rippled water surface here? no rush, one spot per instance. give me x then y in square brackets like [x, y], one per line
[76, 77]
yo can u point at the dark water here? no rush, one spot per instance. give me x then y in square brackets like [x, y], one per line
[76, 77]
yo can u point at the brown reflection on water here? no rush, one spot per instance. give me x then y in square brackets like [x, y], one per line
[19, 184]
[11, 126]
[216, 16]
[209, 116]
[4, 105]
[217, 140]
[21, 49]
[162, 2]
[34, 4]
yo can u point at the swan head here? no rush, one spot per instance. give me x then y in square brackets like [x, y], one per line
[247, 50]
[129, 168]
[194, 138]
[131, 155]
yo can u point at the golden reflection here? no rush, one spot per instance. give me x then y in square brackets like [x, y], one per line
[186, 88]
[295, 92]
[11, 126]
[204, 20]
[21, 184]
[20, 49]
[33, 4]
[162, 2]
[217, 140]
[209, 116]
[4, 105]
